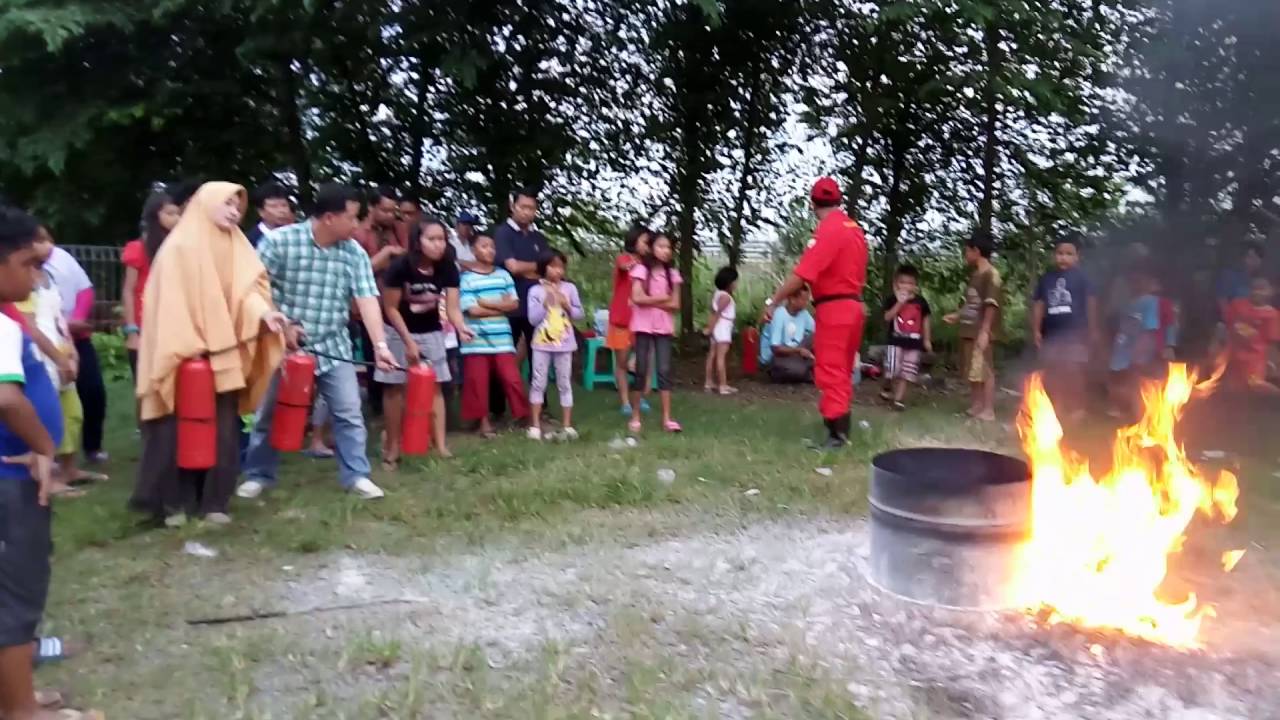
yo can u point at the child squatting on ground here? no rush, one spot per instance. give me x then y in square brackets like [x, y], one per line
[1064, 318]
[910, 335]
[719, 330]
[655, 296]
[979, 321]
[553, 306]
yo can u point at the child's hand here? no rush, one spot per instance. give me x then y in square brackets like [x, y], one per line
[951, 318]
[1038, 339]
[983, 340]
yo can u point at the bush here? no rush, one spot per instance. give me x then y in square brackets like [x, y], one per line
[112, 356]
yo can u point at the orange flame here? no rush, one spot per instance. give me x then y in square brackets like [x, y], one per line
[1099, 548]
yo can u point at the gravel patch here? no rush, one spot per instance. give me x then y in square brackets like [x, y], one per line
[781, 595]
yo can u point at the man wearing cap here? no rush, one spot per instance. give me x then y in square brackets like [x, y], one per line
[835, 269]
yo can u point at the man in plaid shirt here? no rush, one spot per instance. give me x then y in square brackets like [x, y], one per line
[317, 271]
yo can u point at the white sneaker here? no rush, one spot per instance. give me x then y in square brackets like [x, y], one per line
[176, 520]
[570, 434]
[365, 488]
[534, 433]
[250, 489]
[218, 518]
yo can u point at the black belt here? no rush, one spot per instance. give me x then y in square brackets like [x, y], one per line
[830, 298]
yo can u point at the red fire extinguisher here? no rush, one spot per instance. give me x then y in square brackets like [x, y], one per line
[196, 408]
[419, 403]
[750, 351]
[294, 392]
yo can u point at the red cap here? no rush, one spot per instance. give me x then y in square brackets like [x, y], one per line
[825, 192]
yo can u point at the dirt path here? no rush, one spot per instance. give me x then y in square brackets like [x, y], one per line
[772, 620]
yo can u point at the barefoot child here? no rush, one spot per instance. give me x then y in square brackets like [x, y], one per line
[619, 338]
[553, 306]
[486, 295]
[655, 295]
[910, 334]
[1253, 329]
[979, 321]
[1063, 324]
[414, 286]
[720, 330]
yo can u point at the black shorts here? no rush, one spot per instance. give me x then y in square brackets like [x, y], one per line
[26, 543]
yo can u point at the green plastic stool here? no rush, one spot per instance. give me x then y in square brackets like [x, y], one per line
[591, 376]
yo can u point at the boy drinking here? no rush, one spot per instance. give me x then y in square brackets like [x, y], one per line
[979, 321]
[909, 334]
[30, 430]
[1063, 323]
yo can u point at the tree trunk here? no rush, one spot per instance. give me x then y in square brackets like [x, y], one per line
[689, 198]
[895, 219]
[750, 137]
[418, 136]
[990, 129]
[295, 137]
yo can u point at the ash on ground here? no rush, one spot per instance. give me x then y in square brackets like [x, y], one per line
[767, 596]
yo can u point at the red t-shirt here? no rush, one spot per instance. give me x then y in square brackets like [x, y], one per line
[835, 264]
[134, 256]
[620, 306]
[1251, 329]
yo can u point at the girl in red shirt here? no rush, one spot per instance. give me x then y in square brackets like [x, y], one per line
[618, 339]
[159, 215]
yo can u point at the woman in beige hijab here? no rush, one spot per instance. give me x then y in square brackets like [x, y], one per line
[208, 295]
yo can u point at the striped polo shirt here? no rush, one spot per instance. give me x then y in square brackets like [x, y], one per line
[493, 334]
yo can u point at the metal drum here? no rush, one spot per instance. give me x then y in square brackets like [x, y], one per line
[948, 525]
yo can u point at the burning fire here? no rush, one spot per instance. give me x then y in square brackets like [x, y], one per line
[1099, 548]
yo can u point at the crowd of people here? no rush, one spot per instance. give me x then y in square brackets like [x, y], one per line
[373, 281]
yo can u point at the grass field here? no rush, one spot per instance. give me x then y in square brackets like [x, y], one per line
[527, 551]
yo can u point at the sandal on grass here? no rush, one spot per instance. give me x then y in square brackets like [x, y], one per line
[634, 427]
[672, 426]
[67, 493]
[52, 650]
[390, 464]
[84, 477]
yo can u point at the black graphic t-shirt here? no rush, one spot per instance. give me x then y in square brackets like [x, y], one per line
[422, 291]
[907, 329]
[1065, 294]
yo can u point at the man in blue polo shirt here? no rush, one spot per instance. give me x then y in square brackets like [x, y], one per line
[519, 243]
[30, 431]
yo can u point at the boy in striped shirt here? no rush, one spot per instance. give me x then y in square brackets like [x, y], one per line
[486, 295]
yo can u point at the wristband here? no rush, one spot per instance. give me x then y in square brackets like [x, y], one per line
[131, 329]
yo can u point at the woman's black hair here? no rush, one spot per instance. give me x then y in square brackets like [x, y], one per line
[416, 257]
[632, 239]
[725, 277]
[153, 233]
[651, 260]
[547, 257]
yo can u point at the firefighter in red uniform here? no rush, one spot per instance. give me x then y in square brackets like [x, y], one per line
[835, 268]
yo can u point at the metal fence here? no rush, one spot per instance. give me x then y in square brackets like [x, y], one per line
[102, 263]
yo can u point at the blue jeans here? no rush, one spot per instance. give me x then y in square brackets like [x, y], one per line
[340, 391]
